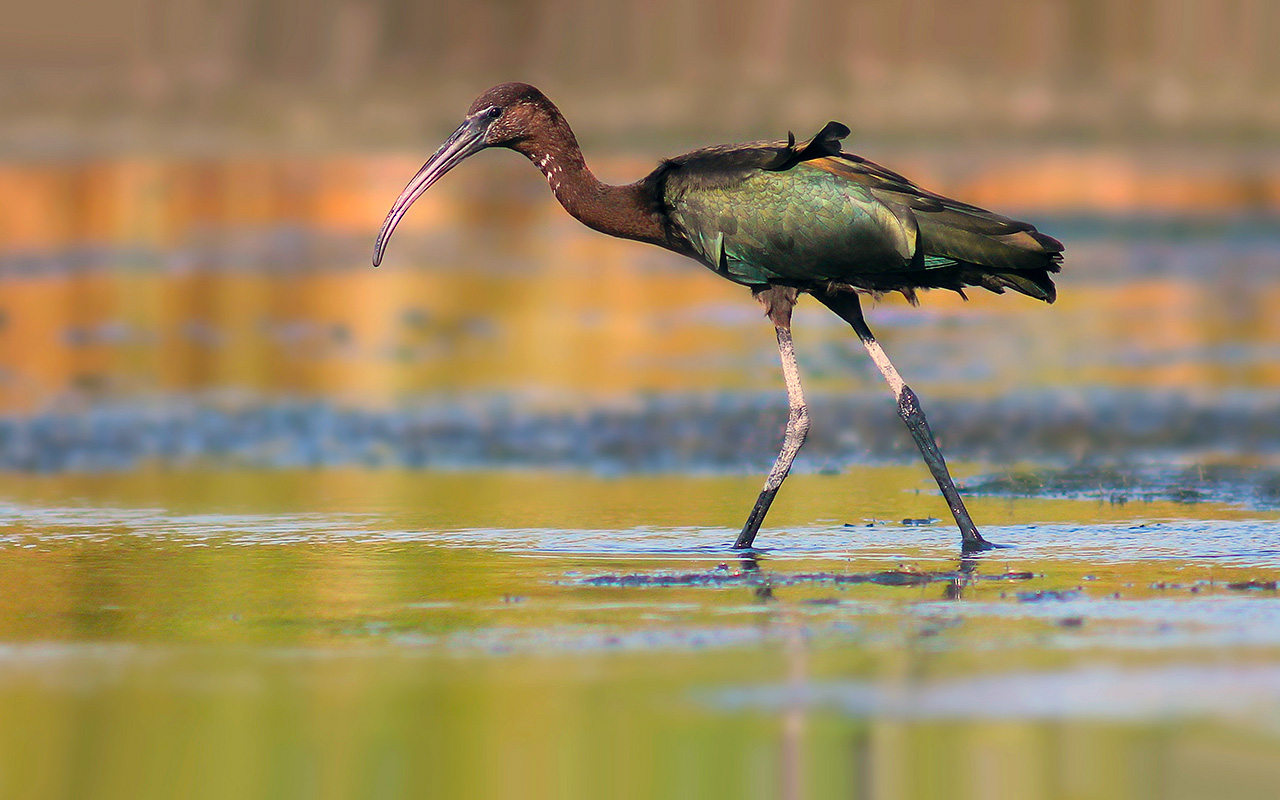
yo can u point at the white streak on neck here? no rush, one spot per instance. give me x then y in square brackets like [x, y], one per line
[551, 170]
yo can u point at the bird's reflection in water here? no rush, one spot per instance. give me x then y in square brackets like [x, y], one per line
[794, 637]
[964, 575]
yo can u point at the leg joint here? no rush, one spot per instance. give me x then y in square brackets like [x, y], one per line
[798, 423]
[909, 406]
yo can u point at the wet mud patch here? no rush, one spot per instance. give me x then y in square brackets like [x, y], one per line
[724, 576]
[731, 432]
[1251, 486]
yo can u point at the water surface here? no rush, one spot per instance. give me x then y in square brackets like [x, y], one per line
[275, 524]
[391, 633]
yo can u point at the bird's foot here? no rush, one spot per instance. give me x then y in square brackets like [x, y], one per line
[979, 545]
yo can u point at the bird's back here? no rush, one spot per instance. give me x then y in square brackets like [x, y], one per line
[813, 216]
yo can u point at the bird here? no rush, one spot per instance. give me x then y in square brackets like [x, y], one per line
[782, 219]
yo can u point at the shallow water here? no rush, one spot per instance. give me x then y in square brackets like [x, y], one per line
[273, 523]
[398, 633]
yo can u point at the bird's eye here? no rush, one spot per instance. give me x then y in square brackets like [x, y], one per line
[492, 112]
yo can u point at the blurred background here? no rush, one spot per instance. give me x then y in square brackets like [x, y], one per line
[190, 193]
[189, 322]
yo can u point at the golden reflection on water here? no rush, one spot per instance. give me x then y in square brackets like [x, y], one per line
[371, 336]
[132, 277]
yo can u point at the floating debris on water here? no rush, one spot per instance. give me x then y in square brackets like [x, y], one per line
[718, 577]
[1046, 595]
[1247, 585]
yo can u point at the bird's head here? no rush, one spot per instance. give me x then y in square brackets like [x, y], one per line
[504, 116]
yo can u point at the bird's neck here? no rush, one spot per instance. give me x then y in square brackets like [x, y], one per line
[629, 212]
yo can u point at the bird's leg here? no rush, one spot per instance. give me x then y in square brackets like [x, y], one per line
[797, 418]
[797, 429]
[847, 306]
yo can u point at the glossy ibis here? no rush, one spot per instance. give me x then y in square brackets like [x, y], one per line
[782, 219]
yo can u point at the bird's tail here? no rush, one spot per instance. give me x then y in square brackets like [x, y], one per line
[1035, 283]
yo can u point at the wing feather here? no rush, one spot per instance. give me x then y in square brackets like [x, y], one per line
[766, 213]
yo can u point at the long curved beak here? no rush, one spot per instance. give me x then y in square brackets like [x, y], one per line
[467, 140]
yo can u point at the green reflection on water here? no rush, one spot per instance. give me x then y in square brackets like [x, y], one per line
[394, 634]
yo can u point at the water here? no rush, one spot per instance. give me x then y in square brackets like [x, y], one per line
[396, 633]
[276, 524]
